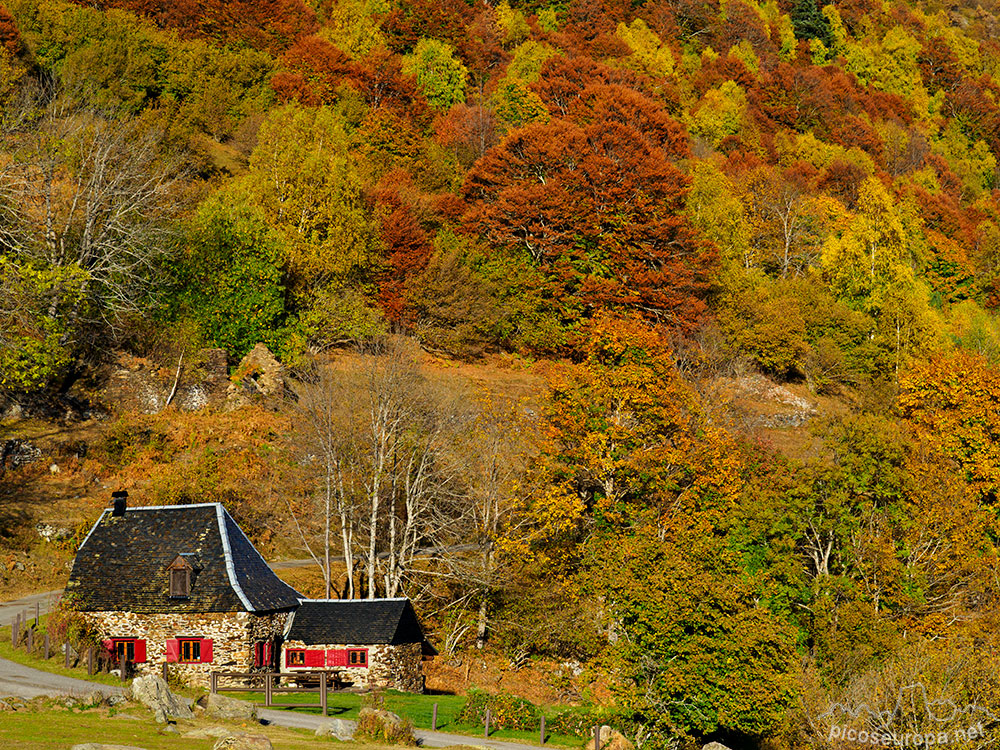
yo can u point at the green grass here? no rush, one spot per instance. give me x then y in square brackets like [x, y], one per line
[60, 729]
[417, 708]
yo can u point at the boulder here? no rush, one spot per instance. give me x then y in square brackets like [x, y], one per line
[217, 732]
[152, 692]
[610, 740]
[232, 709]
[714, 746]
[342, 729]
[243, 742]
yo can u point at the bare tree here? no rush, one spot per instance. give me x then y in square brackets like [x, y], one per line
[325, 437]
[376, 437]
[90, 192]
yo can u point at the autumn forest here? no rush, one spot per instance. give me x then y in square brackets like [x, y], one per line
[635, 201]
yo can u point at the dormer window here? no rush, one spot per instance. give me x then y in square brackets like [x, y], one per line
[180, 578]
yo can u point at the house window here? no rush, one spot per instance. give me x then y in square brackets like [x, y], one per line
[124, 649]
[180, 583]
[357, 657]
[190, 650]
[296, 657]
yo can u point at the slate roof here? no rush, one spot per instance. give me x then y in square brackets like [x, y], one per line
[358, 622]
[122, 564]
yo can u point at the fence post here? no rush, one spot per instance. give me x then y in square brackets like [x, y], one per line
[66, 654]
[597, 737]
[268, 686]
[487, 732]
[38, 612]
[46, 645]
[541, 733]
[90, 661]
[123, 667]
[215, 683]
[322, 687]
[15, 630]
[434, 718]
[31, 639]
[165, 673]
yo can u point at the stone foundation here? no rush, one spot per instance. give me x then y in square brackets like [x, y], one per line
[394, 667]
[232, 633]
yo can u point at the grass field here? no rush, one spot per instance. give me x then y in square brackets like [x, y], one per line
[59, 730]
[417, 708]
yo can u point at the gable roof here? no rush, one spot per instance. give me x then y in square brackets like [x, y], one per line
[355, 622]
[122, 564]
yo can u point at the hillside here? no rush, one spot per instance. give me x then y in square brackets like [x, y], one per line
[650, 347]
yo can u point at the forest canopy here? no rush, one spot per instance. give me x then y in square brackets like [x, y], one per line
[642, 199]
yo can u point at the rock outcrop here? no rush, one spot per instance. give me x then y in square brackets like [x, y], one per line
[152, 692]
[341, 729]
[232, 709]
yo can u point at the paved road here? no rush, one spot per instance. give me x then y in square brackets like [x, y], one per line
[30, 683]
[46, 602]
[289, 718]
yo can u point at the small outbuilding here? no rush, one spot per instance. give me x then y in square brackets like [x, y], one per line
[361, 643]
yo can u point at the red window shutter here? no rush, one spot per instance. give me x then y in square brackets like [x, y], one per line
[206, 650]
[336, 657]
[108, 646]
[268, 655]
[140, 651]
[315, 658]
[173, 650]
[288, 658]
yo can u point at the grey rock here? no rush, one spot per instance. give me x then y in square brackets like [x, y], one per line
[714, 746]
[128, 717]
[233, 709]
[611, 739]
[218, 732]
[342, 729]
[243, 742]
[170, 729]
[152, 692]
[51, 533]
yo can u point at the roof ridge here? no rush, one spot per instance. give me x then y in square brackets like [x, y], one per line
[227, 553]
[181, 506]
[383, 599]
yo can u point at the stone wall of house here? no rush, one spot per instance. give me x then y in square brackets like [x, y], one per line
[395, 667]
[232, 635]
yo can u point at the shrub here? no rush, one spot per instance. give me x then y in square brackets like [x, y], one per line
[384, 728]
[506, 711]
[579, 723]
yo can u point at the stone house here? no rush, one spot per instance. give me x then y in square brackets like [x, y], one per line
[362, 643]
[180, 584]
[183, 585]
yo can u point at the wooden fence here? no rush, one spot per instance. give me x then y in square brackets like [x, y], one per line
[272, 685]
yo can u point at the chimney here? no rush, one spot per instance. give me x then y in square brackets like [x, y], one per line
[120, 499]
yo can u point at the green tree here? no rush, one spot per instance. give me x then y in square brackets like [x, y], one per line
[231, 280]
[440, 77]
